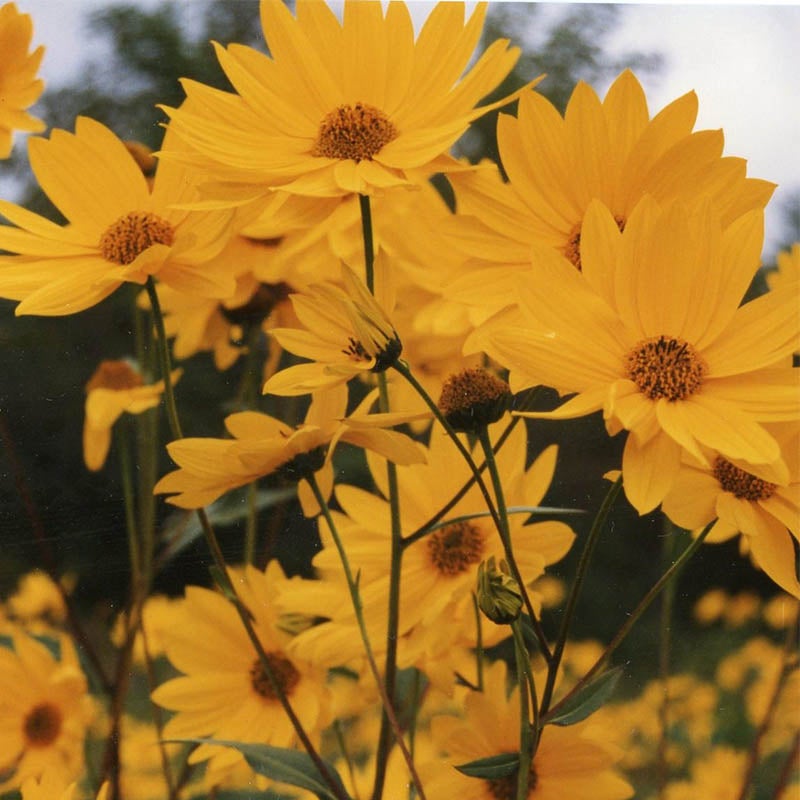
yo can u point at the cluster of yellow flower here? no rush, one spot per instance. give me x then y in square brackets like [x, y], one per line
[297, 210]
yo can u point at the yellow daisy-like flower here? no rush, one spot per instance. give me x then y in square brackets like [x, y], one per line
[224, 692]
[342, 107]
[572, 762]
[19, 86]
[119, 229]
[652, 334]
[348, 333]
[744, 500]
[44, 712]
[38, 599]
[716, 776]
[263, 445]
[114, 389]
[609, 150]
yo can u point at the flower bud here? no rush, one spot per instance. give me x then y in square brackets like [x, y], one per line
[473, 398]
[499, 595]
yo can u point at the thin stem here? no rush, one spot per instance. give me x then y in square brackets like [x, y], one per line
[355, 598]
[223, 579]
[403, 369]
[129, 502]
[572, 601]
[527, 697]
[369, 246]
[787, 769]
[251, 524]
[478, 642]
[505, 536]
[632, 619]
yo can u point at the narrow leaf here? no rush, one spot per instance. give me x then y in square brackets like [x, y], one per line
[588, 699]
[492, 767]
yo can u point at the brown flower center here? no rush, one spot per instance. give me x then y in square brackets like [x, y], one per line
[741, 484]
[114, 375]
[132, 234]
[455, 548]
[572, 249]
[42, 725]
[357, 132]
[506, 788]
[663, 366]
[473, 398]
[283, 671]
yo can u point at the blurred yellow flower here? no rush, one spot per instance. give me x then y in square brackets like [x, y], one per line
[119, 228]
[44, 712]
[263, 445]
[19, 86]
[652, 333]
[716, 776]
[52, 787]
[39, 599]
[114, 389]
[788, 271]
[342, 107]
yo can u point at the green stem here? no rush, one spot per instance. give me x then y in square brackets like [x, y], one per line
[478, 642]
[129, 502]
[505, 536]
[527, 697]
[251, 525]
[403, 369]
[632, 619]
[223, 579]
[355, 598]
[369, 246]
[787, 769]
[572, 601]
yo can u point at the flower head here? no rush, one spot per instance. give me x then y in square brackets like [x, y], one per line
[342, 107]
[348, 333]
[652, 334]
[119, 227]
[114, 389]
[19, 86]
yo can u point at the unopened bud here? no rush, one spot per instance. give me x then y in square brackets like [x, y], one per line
[473, 398]
[499, 595]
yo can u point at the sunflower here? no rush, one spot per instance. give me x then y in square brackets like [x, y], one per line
[652, 334]
[573, 762]
[19, 86]
[263, 445]
[441, 566]
[119, 229]
[746, 501]
[114, 389]
[44, 712]
[224, 691]
[609, 150]
[348, 333]
[342, 107]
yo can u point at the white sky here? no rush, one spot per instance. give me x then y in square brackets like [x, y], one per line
[740, 59]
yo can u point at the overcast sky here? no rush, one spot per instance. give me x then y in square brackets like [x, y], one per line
[742, 60]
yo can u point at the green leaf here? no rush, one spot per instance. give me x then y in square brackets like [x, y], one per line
[588, 699]
[281, 764]
[492, 767]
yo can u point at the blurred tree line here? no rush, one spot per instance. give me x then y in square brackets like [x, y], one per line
[45, 362]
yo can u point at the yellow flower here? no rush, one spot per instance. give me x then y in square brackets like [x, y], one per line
[744, 500]
[44, 712]
[348, 333]
[51, 786]
[115, 388]
[119, 229]
[788, 271]
[610, 151]
[716, 776]
[224, 692]
[19, 86]
[263, 445]
[38, 598]
[340, 108]
[652, 334]
[571, 762]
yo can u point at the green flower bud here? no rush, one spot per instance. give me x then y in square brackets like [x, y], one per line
[499, 595]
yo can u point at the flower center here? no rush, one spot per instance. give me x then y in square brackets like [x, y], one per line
[114, 375]
[473, 398]
[42, 725]
[506, 788]
[358, 132]
[741, 484]
[572, 249]
[132, 234]
[283, 671]
[454, 548]
[663, 366]
[384, 358]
